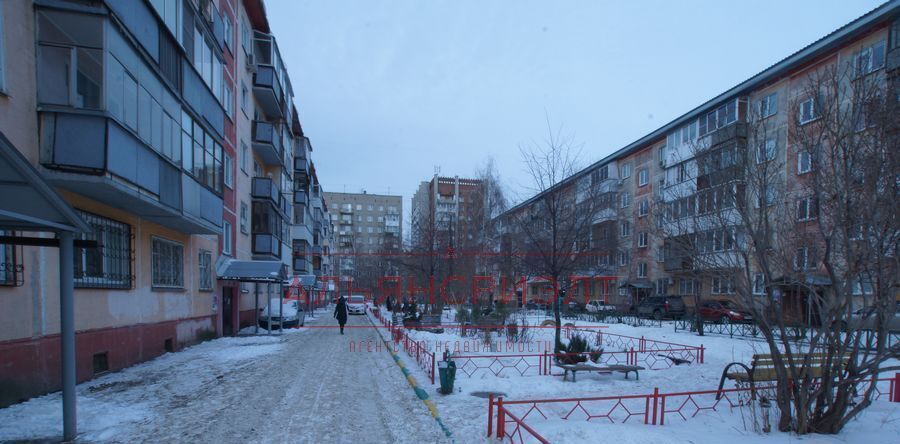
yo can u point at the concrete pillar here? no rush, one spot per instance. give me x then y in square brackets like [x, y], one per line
[67, 331]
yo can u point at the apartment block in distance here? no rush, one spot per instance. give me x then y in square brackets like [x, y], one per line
[364, 223]
[446, 205]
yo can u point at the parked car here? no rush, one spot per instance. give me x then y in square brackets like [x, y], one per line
[723, 311]
[356, 304]
[659, 307]
[293, 314]
[865, 318]
[596, 306]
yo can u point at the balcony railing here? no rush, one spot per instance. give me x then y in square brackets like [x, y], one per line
[266, 245]
[300, 264]
[267, 87]
[264, 188]
[301, 197]
[266, 139]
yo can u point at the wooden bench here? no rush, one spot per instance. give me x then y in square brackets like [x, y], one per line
[575, 368]
[762, 368]
[431, 323]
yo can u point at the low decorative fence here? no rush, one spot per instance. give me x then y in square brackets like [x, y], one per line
[507, 418]
[415, 349]
[749, 330]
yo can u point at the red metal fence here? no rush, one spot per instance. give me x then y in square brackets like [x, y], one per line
[415, 349]
[651, 408]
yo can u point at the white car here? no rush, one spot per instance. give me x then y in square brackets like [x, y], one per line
[293, 314]
[356, 305]
[596, 306]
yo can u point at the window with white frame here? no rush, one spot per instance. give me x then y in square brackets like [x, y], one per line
[227, 238]
[718, 118]
[626, 229]
[245, 156]
[228, 31]
[245, 218]
[624, 258]
[687, 286]
[229, 170]
[642, 239]
[808, 111]
[759, 284]
[626, 199]
[806, 208]
[767, 150]
[642, 269]
[722, 285]
[626, 171]
[870, 59]
[767, 196]
[70, 69]
[166, 263]
[108, 265]
[644, 207]
[804, 259]
[205, 270]
[804, 162]
[768, 105]
[643, 176]
[245, 97]
[662, 285]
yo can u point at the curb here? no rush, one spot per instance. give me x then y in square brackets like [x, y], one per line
[411, 380]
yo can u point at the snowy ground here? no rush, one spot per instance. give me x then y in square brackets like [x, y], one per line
[304, 386]
[466, 415]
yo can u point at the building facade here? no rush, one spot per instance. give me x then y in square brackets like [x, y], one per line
[368, 233]
[170, 127]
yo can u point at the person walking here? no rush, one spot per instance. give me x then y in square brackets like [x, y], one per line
[340, 312]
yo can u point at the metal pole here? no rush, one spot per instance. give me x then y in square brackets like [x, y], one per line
[256, 305]
[281, 309]
[268, 308]
[67, 331]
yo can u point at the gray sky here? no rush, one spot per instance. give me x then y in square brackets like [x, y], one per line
[387, 90]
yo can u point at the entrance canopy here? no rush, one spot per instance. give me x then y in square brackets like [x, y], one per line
[637, 284]
[251, 271]
[27, 202]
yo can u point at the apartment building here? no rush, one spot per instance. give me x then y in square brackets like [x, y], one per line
[170, 127]
[366, 224]
[448, 206]
[669, 183]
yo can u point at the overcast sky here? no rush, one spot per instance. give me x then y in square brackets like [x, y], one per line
[389, 90]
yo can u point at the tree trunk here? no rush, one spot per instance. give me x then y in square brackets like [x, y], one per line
[698, 321]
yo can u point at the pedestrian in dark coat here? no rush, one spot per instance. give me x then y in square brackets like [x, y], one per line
[390, 305]
[340, 312]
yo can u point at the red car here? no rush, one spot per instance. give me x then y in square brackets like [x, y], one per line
[723, 311]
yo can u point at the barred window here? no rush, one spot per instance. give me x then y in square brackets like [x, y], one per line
[108, 265]
[205, 270]
[11, 271]
[167, 263]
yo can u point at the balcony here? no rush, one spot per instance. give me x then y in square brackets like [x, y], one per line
[347, 209]
[95, 157]
[301, 197]
[268, 92]
[265, 188]
[316, 250]
[266, 139]
[730, 133]
[301, 171]
[346, 221]
[266, 246]
[300, 265]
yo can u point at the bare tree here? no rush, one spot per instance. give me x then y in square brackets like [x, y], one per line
[550, 233]
[794, 213]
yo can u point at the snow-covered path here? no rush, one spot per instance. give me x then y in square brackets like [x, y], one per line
[305, 386]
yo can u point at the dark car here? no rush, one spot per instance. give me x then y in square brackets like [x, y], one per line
[659, 307]
[723, 311]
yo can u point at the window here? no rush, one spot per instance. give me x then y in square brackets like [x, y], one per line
[626, 229]
[245, 156]
[718, 118]
[623, 258]
[804, 259]
[227, 238]
[662, 285]
[626, 171]
[599, 175]
[229, 31]
[768, 105]
[228, 100]
[203, 156]
[808, 111]
[804, 162]
[682, 172]
[204, 263]
[244, 97]
[70, 52]
[166, 263]
[246, 34]
[644, 208]
[11, 270]
[369, 207]
[381, 207]
[767, 150]
[368, 218]
[722, 285]
[643, 177]
[766, 196]
[626, 200]
[862, 285]
[687, 286]
[109, 264]
[806, 208]
[759, 284]
[870, 59]
[642, 269]
[229, 171]
[661, 155]
[359, 208]
[642, 239]
[244, 218]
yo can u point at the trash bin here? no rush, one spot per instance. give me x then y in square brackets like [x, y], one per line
[447, 373]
